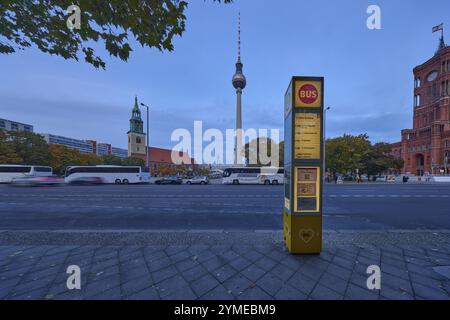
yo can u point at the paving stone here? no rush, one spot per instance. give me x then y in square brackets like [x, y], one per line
[359, 280]
[214, 263]
[204, 284]
[266, 263]
[112, 294]
[344, 263]
[429, 293]
[218, 293]
[339, 272]
[186, 264]
[287, 292]
[394, 271]
[253, 273]
[292, 262]
[146, 294]
[159, 264]
[302, 283]
[194, 273]
[97, 287]
[270, 284]
[240, 263]
[333, 282]
[223, 273]
[395, 283]
[390, 293]
[323, 293]
[164, 274]
[357, 293]
[237, 284]
[253, 256]
[96, 274]
[180, 256]
[426, 281]
[36, 294]
[136, 273]
[172, 250]
[312, 272]
[282, 272]
[255, 293]
[133, 286]
[425, 272]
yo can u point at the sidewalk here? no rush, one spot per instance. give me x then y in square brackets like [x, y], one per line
[221, 265]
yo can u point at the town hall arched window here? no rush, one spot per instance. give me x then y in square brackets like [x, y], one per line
[138, 140]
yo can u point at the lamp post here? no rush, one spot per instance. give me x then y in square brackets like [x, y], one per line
[324, 142]
[147, 154]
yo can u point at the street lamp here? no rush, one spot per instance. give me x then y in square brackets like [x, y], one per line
[324, 141]
[147, 154]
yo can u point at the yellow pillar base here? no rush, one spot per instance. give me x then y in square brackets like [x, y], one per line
[302, 234]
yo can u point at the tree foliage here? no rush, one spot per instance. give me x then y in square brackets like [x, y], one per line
[350, 154]
[43, 23]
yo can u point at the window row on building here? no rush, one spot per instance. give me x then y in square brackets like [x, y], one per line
[419, 148]
[8, 125]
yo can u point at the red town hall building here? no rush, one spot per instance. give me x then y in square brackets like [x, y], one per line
[425, 149]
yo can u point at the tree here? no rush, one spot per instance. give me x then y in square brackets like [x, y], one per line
[379, 160]
[345, 154]
[111, 160]
[132, 161]
[30, 147]
[63, 157]
[152, 23]
[8, 153]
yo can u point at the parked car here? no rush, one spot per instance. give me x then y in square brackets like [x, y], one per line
[37, 181]
[198, 180]
[169, 180]
[87, 181]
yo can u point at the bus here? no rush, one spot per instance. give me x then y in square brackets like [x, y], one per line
[9, 172]
[252, 175]
[107, 174]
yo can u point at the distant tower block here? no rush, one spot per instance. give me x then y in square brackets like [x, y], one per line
[136, 135]
[239, 83]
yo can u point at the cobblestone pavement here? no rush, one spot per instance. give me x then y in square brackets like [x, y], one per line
[230, 268]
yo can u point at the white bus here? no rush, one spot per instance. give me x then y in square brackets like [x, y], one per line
[251, 175]
[107, 174]
[10, 172]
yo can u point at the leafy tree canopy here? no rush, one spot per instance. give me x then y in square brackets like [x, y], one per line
[43, 23]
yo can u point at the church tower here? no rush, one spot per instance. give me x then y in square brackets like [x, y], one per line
[136, 135]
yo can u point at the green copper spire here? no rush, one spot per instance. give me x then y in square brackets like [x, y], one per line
[136, 123]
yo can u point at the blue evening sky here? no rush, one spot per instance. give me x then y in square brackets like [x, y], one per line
[369, 82]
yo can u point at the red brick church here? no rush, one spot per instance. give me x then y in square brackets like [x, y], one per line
[425, 148]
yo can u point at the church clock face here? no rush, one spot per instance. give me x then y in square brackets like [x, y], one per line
[432, 76]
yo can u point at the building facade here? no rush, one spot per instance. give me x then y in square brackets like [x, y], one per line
[8, 125]
[83, 146]
[426, 147]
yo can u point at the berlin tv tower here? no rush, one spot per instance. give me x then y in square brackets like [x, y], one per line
[239, 83]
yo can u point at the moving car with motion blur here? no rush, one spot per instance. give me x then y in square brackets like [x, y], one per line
[169, 180]
[37, 181]
[198, 180]
[87, 181]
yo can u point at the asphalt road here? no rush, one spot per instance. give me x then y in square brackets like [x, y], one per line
[218, 207]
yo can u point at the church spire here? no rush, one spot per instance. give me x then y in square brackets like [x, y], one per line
[136, 123]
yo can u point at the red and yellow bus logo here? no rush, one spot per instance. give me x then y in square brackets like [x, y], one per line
[308, 94]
